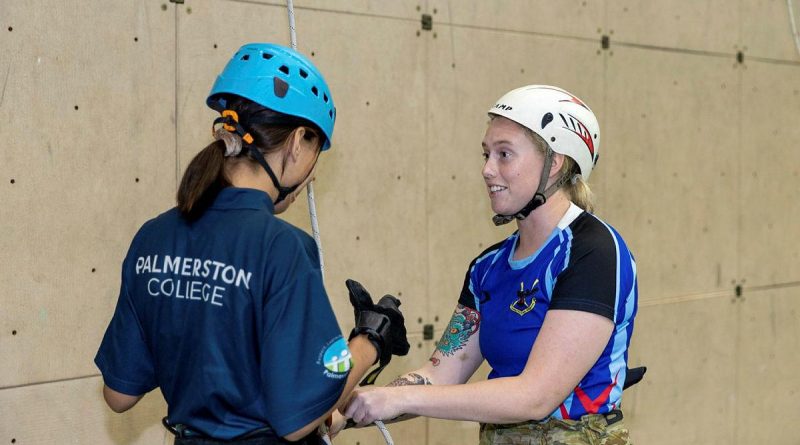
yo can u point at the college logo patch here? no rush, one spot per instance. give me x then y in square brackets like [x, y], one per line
[337, 359]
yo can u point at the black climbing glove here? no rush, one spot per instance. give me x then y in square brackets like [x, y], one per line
[383, 323]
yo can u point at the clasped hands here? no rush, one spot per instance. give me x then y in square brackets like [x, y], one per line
[366, 405]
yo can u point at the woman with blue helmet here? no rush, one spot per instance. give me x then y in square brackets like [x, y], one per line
[222, 305]
[550, 308]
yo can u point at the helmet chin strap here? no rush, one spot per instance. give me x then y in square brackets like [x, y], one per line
[541, 195]
[231, 123]
[283, 192]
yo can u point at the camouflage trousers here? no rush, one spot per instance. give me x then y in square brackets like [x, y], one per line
[591, 429]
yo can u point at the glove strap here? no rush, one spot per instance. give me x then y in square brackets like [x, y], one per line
[376, 326]
[372, 376]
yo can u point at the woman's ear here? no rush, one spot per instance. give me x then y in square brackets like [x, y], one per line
[558, 162]
[296, 142]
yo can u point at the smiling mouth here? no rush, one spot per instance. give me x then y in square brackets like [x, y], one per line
[496, 189]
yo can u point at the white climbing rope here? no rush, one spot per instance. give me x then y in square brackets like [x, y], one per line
[795, 34]
[312, 204]
[312, 212]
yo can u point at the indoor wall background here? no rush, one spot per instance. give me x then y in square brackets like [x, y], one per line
[102, 107]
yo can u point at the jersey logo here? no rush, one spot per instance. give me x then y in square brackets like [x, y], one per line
[521, 306]
[337, 359]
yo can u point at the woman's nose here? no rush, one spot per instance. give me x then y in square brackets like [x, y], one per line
[488, 169]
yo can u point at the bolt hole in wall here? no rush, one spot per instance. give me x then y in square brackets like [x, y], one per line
[14, 332]
[76, 108]
[13, 181]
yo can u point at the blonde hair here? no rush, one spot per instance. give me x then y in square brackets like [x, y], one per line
[577, 190]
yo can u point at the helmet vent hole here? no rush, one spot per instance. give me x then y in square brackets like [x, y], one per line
[325, 97]
[546, 119]
[330, 113]
[245, 57]
[315, 91]
[552, 139]
[595, 135]
[266, 56]
[303, 74]
[284, 69]
[279, 87]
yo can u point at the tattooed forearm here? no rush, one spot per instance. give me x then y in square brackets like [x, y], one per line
[464, 323]
[410, 379]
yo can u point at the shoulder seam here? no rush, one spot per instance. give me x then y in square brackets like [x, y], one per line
[488, 250]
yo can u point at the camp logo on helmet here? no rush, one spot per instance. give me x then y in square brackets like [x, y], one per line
[504, 107]
[579, 129]
[336, 358]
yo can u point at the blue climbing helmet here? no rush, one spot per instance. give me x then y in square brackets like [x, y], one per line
[278, 78]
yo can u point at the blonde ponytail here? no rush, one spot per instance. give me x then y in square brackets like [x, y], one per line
[578, 189]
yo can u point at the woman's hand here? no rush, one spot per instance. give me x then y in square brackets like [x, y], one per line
[370, 403]
[338, 422]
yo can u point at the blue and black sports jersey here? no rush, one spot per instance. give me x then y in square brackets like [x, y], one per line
[229, 317]
[584, 265]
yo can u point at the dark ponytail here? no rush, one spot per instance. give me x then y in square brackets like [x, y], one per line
[202, 181]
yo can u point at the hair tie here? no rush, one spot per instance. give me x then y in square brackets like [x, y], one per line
[233, 142]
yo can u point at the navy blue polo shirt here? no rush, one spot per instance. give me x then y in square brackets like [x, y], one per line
[229, 317]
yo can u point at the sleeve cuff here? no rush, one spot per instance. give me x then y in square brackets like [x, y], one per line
[121, 385]
[584, 306]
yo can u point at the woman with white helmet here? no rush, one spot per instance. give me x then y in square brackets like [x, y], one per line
[551, 307]
[222, 305]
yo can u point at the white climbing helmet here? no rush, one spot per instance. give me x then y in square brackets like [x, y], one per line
[560, 118]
